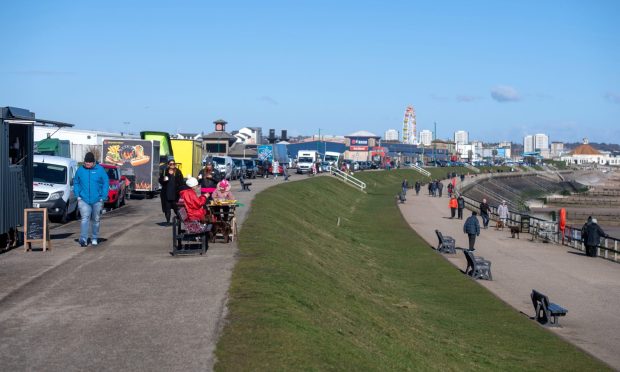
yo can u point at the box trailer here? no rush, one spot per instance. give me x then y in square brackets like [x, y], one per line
[54, 147]
[188, 156]
[138, 161]
[16, 169]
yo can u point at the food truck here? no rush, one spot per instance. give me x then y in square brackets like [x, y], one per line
[138, 161]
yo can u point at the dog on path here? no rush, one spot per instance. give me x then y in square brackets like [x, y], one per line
[514, 230]
[499, 225]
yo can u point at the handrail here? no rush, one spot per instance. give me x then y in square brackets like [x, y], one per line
[421, 170]
[471, 167]
[347, 178]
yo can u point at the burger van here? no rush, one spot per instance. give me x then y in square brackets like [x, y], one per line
[138, 161]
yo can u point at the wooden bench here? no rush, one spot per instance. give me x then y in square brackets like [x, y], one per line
[446, 244]
[189, 236]
[477, 267]
[245, 186]
[546, 312]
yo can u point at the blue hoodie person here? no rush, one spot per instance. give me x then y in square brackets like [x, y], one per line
[90, 185]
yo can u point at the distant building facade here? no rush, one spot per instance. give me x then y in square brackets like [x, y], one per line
[426, 137]
[461, 137]
[557, 149]
[391, 135]
[250, 135]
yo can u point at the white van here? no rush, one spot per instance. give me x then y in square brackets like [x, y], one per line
[224, 165]
[305, 159]
[332, 158]
[53, 186]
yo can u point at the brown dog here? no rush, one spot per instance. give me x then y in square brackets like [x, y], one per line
[499, 225]
[514, 230]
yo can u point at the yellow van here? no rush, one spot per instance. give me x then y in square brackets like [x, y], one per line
[188, 156]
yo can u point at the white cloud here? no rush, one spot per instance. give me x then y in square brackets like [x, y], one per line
[504, 93]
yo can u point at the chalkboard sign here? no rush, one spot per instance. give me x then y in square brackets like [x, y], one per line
[36, 228]
[525, 224]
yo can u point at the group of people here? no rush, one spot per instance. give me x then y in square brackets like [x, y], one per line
[193, 193]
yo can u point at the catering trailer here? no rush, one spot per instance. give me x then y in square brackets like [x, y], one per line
[138, 161]
[188, 156]
[16, 169]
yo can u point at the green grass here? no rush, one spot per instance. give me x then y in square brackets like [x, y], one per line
[369, 294]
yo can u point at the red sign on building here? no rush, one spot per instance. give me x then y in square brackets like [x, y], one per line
[358, 148]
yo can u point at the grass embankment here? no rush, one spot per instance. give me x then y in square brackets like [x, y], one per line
[369, 294]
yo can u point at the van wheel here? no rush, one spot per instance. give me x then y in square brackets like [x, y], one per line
[64, 218]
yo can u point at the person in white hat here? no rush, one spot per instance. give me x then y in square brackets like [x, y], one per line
[193, 204]
[502, 211]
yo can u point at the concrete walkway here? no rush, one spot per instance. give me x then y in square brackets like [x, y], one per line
[124, 305]
[588, 287]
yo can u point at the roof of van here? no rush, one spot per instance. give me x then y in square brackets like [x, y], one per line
[53, 159]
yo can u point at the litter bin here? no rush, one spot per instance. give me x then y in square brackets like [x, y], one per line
[525, 224]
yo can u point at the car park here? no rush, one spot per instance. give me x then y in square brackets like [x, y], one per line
[117, 190]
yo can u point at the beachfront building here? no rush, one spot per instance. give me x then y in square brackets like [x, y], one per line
[586, 154]
[426, 137]
[461, 137]
[391, 135]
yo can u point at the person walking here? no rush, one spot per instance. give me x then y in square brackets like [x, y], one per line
[405, 186]
[484, 213]
[461, 205]
[440, 188]
[275, 169]
[453, 204]
[449, 188]
[472, 229]
[430, 188]
[502, 211]
[285, 172]
[417, 188]
[592, 239]
[171, 181]
[90, 185]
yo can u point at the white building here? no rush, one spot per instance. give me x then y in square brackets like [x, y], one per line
[505, 144]
[426, 137]
[586, 154]
[541, 142]
[557, 149]
[465, 149]
[461, 137]
[528, 143]
[391, 135]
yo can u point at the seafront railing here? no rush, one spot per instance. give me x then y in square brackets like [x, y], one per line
[549, 231]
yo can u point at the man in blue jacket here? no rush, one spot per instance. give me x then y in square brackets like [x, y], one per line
[472, 229]
[90, 185]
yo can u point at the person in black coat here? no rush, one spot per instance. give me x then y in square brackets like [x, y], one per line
[592, 237]
[417, 187]
[171, 181]
[484, 212]
[209, 176]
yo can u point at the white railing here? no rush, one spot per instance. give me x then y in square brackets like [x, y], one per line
[420, 170]
[472, 168]
[347, 178]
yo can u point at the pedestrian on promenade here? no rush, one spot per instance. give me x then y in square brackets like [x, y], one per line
[453, 204]
[275, 169]
[208, 177]
[592, 238]
[502, 211]
[417, 188]
[90, 185]
[430, 188]
[193, 204]
[285, 172]
[314, 169]
[171, 181]
[472, 229]
[461, 205]
[449, 188]
[484, 213]
[462, 177]
[440, 188]
[266, 168]
[405, 186]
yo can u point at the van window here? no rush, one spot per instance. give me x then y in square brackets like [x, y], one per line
[305, 159]
[50, 173]
[220, 161]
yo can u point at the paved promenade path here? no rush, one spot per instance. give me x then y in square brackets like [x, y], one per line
[124, 305]
[588, 287]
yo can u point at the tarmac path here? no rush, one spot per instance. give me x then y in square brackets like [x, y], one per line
[588, 287]
[123, 305]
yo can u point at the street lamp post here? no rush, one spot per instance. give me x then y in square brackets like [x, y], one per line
[435, 143]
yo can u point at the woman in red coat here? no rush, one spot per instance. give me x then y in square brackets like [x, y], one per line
[194, 204]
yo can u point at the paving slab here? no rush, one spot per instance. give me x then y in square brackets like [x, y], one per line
[587, 287]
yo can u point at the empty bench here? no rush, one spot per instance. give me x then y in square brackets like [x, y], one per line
[546, 312]
[477, 267]
[245, 186]
[446, 244]
[189, 236]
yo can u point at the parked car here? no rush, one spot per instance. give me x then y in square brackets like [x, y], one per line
[117, 191]
[53, 186]
[251, 168]
[239, 168]
[280, 169]
[224, 164]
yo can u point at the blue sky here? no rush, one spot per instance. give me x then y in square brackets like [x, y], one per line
[497, 69]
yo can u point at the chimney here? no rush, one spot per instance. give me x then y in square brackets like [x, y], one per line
[283, 137]
[272, 136]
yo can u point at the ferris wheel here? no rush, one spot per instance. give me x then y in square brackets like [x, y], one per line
[409, 127]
